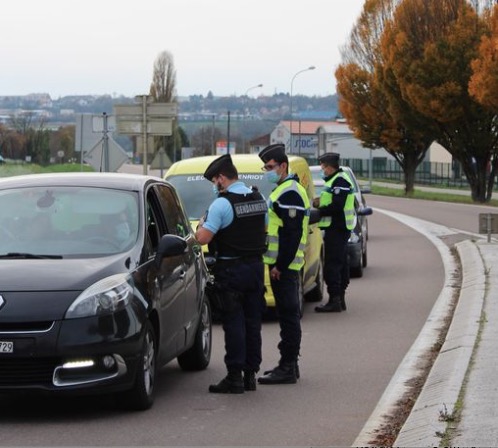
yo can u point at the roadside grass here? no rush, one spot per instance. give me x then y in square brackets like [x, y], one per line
[7, 169]
[429, 195]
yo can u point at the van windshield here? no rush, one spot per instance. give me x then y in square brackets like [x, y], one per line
[196, 192]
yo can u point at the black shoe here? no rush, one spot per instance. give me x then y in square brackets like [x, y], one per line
[296, 368]
[284, 373]
[332, 306]
[231, 384]
[249, 380]
[343, 301]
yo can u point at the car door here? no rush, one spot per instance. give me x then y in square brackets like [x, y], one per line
[178, 224]
[169, 280]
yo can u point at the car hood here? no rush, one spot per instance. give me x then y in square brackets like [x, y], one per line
[58, 275]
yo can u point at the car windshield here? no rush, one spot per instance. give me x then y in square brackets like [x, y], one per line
[67, 221]
[197, 193]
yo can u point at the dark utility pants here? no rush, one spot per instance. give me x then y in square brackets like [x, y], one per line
[242, 325]
[286, 293]
[336, 266]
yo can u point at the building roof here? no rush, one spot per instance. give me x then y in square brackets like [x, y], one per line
[311, 127]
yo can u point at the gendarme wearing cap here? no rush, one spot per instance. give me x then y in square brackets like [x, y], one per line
[217, 166]
[272, 152]
[330, 158]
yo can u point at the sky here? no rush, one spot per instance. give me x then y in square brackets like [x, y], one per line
[228, 47]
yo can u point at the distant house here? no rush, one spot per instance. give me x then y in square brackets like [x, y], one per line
[310, 139]
[259, 143]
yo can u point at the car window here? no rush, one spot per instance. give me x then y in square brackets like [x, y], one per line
[67, 221]
[176, 221]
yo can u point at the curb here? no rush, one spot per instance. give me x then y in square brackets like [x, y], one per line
[435, 405]
[409, 366]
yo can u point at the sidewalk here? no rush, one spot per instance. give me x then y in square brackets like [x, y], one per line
[463, 375]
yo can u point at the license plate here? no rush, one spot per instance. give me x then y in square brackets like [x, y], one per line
[6, 347]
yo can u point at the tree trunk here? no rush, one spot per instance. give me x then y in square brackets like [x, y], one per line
[409, 172]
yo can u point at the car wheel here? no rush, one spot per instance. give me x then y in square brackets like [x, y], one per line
[198, 356]
[364, 259]
[316, 294]
[141, 396]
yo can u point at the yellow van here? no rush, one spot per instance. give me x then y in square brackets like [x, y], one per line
[197, 194]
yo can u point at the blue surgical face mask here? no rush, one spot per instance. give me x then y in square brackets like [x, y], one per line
[216, 192]
[322, 174]
[272, 176]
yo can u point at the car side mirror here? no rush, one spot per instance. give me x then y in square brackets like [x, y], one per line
[170, 246]
[364, 211]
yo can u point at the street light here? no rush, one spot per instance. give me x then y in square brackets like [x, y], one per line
[253, 87]
[244, 114]
[312, 67]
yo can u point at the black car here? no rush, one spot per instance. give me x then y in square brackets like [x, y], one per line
[357, 244]
[101, 283]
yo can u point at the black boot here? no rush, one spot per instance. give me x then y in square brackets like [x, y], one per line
[249, 380]
[343, 301]
[284, 373]
[332, 306]
[231, 384]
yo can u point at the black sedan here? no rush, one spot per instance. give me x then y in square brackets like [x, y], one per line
[101, 283]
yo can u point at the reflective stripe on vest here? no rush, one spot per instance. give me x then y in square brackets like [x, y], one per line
[326, 198]
[274, 223]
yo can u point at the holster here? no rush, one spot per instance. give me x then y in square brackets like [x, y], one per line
[222, 298]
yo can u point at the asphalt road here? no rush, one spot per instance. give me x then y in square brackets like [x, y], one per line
[347, 361]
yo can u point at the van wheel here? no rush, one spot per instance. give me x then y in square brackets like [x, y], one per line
[316, 294]
[300, 293]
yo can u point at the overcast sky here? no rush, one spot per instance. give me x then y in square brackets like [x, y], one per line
[67, 47]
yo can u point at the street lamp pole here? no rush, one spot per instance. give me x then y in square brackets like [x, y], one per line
[312, 67]
[244, 115]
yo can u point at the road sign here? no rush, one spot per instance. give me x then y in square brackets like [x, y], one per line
[152, 110]
[488, 223]
[117, 156]
[155, 126]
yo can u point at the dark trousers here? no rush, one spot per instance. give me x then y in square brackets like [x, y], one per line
[242, 325]
[336, 266]
[286, 293]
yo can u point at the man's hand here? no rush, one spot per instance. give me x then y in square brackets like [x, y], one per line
[275, 274]
[316, 202]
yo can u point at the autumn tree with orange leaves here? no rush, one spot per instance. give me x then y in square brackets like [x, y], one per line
[369, 97]
[430, 47]
[414, 72]
[483, 85]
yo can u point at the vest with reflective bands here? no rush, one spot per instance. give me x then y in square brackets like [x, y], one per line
[245, 235]
[275, 223]
[326, 198]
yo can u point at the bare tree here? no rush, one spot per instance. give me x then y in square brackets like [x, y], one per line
[163, 89]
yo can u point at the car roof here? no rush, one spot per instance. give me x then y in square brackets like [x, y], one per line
[131, 182]
[244, 163]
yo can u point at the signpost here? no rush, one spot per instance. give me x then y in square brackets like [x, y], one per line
[145, 119]
[488, 223]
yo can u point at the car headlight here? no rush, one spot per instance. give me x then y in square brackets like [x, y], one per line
[107, 296]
